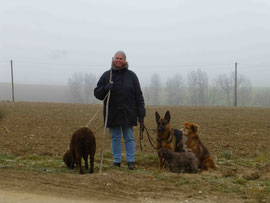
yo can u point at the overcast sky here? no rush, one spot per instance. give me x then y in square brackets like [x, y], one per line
[50, 40]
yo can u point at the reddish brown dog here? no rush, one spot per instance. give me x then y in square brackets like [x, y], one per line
[82, 144]
[193, 142]
[167, 137]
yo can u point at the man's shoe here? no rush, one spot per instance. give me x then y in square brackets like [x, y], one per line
[116, 164]
[131, 165]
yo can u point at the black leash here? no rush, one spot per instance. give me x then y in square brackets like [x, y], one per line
[177, 134]
[149, 137]
[141, 135]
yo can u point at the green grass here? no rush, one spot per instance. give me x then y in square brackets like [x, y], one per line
[147, 159]
[263, 158]
[228, 159]
[147, 165]
[225, 155]
[7, 160]
[4, 156]
[32, 162]
[181, 182]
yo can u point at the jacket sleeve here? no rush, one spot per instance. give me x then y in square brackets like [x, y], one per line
[139, 99]
[99, 91]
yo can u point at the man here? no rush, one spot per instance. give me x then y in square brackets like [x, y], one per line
[126, 105]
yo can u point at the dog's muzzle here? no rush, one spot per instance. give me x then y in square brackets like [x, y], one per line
[161, 129]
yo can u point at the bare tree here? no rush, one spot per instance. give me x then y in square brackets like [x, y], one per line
[81, 87]
[75, 84]
[214, 93]
[262, 97]
[155, 88]
[226, 84]
[192, 87]
[175, 90]
[203, 87]
[147, 95]
[197, 82]
[244, 91]
[90, 82]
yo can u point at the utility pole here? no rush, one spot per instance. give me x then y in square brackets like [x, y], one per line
[12, 82]
[235, 86]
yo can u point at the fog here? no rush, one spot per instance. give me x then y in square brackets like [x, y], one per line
[51, 40]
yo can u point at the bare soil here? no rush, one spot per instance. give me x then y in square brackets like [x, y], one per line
[238, 138]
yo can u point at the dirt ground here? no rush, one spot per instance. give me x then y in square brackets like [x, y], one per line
[238, 139]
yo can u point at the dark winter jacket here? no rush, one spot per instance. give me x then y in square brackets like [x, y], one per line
[126, 102]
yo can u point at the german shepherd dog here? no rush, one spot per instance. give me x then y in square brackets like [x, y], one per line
[167, 137]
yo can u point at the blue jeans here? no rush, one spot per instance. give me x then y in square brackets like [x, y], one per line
[116, 143]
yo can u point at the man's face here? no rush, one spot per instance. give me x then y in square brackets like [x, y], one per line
[119, 60]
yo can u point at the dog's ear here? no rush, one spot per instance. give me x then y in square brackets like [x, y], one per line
[194, 127]
[157, 117]
[167, 116]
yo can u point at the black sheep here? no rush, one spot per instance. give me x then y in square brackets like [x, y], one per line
[82, 144]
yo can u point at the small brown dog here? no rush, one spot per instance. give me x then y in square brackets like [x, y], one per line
[167, 136]
[193, 142]
[82, 144]
[180, 161]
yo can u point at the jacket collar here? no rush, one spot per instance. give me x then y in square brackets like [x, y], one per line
[120, 69]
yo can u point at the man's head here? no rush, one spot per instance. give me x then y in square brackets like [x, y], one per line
[119, 59]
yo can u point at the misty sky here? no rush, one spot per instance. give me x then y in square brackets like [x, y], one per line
[51, 40]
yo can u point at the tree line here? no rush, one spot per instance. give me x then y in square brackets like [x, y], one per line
[194, 89]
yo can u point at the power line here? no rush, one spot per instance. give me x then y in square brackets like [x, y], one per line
[156, 65]
[56, 64]
[148, 66]
[152, 66]
[257, 65]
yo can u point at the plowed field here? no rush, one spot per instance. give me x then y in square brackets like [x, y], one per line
[34, 136]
